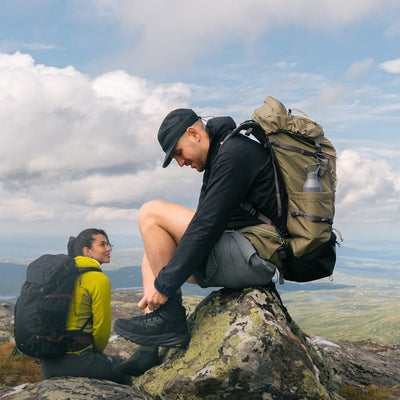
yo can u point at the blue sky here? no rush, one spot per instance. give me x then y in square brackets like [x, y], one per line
[85, 85]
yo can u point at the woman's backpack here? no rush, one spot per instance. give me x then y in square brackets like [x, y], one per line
[41, 309]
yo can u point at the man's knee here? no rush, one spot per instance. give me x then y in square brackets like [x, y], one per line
[172, 218]
[149, 211]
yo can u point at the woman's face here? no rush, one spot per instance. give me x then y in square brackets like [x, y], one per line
[100, 250]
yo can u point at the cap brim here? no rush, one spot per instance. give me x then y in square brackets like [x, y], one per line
[167, 159]
[189, 121]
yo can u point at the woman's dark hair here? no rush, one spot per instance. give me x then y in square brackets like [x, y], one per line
[84, 239]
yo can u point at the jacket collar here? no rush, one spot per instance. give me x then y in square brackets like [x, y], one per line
[217, 128]
[86, 262]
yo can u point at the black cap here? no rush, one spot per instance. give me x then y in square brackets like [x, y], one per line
[172, 128]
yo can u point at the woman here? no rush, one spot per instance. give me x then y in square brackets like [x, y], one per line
[89, 314]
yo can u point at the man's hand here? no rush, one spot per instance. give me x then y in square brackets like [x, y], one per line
[152, 299]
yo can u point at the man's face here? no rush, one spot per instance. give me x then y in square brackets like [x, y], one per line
[191, 150]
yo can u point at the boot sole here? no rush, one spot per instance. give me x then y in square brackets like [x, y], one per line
[162, 339]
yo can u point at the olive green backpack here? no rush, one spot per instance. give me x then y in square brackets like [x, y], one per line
[306, 162]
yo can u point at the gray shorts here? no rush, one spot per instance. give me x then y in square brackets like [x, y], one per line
[234, 263]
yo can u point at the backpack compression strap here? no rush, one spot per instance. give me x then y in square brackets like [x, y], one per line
[313, 218]
[251, 129]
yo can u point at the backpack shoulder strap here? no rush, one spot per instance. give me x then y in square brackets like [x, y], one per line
[253, 128]
[82, 271]
[250, 127]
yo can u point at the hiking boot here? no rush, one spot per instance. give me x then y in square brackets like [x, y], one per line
[144, 358]
[165, 326]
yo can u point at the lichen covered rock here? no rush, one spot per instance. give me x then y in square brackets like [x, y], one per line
[72, 389]
[6, 321]
[244, 345]
[368, 370]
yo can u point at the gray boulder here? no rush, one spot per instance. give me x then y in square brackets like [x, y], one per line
[244, 346]
[366, 365]
[72, 389]
[6, 321]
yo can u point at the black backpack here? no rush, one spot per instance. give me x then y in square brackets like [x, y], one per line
[41, 309]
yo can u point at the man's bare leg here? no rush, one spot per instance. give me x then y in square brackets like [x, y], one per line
[162, 225]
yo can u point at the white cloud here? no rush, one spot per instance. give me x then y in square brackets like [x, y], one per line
[10, 46]
[365, 178]
[108, 213]
[329, 95]
[180, 31]
[358, 68]
[37, 46]
[59, 121]
[393, 30]
[22, 209]
[76, 148]
[368, 195]
[70, 144]
[129, 190]
[392, 66]
[128, 93]
[285, 65]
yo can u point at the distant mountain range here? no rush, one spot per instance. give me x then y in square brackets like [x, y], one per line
[13, 276]
[354, 268]
[363, 295]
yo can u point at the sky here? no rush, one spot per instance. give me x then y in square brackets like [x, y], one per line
[84, 87]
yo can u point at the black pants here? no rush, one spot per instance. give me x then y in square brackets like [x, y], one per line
[86, 364]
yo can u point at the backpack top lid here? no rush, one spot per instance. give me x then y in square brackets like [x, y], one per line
[274, 117]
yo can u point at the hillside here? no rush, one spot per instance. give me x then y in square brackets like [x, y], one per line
[252, 332]
[347, 314]
[362, 302]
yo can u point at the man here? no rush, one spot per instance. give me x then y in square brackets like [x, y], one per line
[203, 247]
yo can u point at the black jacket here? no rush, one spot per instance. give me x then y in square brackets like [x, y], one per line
[238, 170]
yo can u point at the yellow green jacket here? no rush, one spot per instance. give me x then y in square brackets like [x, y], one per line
[91, 296]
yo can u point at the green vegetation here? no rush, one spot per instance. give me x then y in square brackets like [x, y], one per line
[18, 368]
[370, 393]
[348, 314]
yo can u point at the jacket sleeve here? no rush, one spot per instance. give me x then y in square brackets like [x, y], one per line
[101, 311]
[231, 176]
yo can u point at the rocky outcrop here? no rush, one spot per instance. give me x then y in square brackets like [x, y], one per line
[369, 371]
[6, 321]
[244, 345]
[363, 363]
[72, 389]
